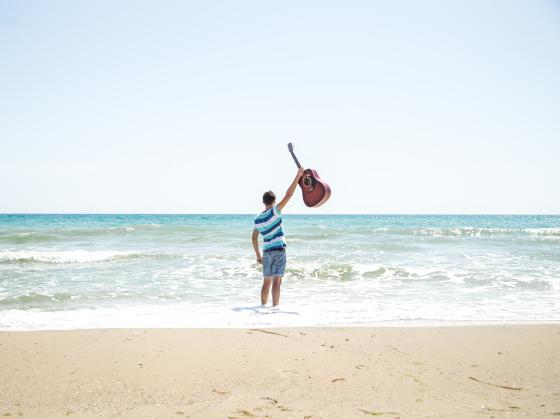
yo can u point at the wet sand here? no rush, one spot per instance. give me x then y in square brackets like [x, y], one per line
[461, 371]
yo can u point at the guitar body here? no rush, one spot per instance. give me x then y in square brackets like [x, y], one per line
[315, 191]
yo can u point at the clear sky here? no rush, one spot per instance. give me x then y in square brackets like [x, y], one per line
[187, 107]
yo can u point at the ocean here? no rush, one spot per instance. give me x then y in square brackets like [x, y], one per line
[109, 271]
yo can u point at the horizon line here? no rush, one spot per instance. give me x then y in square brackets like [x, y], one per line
[243, 213]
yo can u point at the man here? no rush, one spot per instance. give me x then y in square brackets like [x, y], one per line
[269, 224]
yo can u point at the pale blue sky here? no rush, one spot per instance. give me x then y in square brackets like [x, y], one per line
[186, 107]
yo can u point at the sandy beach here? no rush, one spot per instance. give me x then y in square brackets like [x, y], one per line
[462, 371]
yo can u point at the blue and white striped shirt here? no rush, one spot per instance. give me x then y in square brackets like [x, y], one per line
[269, 224]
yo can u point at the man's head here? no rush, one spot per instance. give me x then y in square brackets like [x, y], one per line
[269, 198]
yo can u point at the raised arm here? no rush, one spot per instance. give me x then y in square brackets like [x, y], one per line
[291, 189]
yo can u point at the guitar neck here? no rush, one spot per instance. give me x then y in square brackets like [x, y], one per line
[295, 159]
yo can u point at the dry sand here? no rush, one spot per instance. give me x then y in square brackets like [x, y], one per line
[482, 371]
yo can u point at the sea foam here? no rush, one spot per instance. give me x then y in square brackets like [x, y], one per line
[65, 256]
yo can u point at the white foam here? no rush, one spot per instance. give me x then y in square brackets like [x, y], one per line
[550, 231]
[63, 256]
[376, 311]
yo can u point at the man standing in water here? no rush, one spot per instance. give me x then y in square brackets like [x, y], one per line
[269, 224]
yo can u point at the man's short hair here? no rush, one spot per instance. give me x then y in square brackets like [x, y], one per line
[269, 198]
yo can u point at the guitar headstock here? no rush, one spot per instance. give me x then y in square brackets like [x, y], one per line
[290, 147]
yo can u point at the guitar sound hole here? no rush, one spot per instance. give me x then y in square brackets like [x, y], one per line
[307, 181]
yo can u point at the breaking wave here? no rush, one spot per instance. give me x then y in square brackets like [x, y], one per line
[482, 232]
[67, 256]
[35, 299]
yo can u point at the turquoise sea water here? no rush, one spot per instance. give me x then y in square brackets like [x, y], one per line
[89, 271]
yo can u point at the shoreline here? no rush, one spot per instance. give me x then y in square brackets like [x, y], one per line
[386, 325]
[462, 371]
[406, 324]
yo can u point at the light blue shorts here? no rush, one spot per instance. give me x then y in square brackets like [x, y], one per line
[274, 263]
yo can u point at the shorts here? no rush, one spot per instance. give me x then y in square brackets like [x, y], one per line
[274, 263]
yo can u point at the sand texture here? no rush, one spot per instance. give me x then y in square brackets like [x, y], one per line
[478, 371]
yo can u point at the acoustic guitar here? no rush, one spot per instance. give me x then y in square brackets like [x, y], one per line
[315, 191]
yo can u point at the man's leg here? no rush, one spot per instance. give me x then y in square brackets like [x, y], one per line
[265, 289]
[277, 281]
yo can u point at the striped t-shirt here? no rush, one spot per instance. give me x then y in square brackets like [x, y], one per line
[269, 224]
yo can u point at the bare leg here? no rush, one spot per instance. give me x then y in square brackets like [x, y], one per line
[265, 290]
[277, 281]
